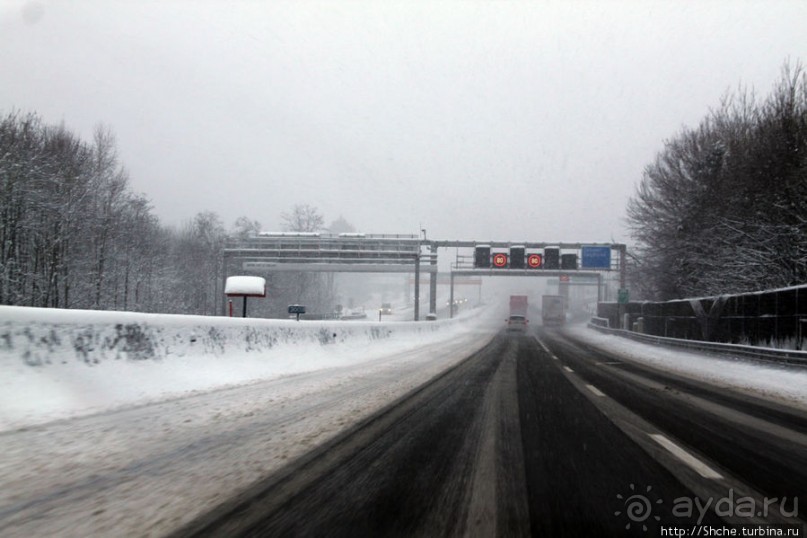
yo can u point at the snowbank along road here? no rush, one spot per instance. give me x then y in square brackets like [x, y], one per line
[145, 470]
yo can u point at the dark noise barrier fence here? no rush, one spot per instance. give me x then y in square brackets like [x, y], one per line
[773, 318]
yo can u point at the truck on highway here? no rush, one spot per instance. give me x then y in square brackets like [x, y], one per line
[517, 321]
[518, 305]
[553, 311]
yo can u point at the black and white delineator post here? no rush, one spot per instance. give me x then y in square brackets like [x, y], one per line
[245, 286]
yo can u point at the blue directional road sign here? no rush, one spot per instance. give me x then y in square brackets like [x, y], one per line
[596, 257]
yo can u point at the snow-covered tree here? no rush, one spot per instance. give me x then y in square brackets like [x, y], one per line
[302, 218]
[723, 208]
[245, 227]
[341, 226]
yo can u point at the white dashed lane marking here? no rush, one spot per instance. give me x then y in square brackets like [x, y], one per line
[595, 390]
[696, 464]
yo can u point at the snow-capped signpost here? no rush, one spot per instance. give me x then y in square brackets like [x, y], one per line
[244, 286]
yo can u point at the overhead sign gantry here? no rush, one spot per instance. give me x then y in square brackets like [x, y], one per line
[499, 258]
[331, 253]
[372, 253]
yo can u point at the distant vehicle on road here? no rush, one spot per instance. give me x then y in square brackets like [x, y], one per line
[386, 308]
[354, 314]
[517, 324]
[518, 305]
[553, 311]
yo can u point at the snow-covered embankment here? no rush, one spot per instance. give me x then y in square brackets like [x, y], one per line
[61, 363]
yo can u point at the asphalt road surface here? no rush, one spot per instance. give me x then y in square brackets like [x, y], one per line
[535, 435]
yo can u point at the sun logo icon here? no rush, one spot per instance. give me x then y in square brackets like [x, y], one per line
[638, 507]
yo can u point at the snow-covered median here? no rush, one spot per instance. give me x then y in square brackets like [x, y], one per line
[781, 383]
[63, 363]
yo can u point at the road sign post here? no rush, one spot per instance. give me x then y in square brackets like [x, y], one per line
[622, 299]
[244, 286]
[296, 309]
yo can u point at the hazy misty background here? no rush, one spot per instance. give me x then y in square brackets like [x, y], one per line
[474, 120]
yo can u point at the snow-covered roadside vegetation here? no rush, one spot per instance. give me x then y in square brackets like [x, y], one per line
[723, 207]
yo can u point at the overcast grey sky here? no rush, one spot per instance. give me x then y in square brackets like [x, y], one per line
[475, 120]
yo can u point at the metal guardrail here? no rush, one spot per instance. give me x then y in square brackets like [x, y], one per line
[779, 356]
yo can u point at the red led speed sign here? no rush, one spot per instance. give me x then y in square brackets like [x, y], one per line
[500, 260]
[534, 261]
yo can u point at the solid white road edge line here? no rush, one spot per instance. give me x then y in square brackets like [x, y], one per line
[700, 467]
[595, 390]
